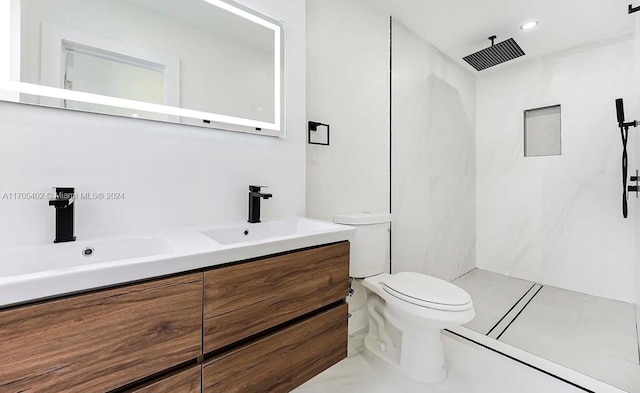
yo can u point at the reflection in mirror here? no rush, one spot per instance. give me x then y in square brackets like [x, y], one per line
[208, 57]
[100, 75]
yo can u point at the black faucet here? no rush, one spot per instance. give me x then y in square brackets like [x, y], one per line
[64, 201]
[254, 202]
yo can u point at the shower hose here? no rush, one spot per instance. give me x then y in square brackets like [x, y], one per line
[624, 130]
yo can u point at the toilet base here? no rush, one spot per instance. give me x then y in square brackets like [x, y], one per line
[420, 356]
[407, 335]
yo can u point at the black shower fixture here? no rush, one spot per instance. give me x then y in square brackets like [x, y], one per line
[624, 131]
[495, 54]
[621, 117]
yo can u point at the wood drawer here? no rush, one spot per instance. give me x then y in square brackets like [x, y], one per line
[282, 361]
[249, 298]
[101, 341]
[188, 381]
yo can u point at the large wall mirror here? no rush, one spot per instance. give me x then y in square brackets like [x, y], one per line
[210, 63]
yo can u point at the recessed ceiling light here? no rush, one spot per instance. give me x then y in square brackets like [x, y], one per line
[529, 25]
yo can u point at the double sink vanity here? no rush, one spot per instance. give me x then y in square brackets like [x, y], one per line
[239, 308]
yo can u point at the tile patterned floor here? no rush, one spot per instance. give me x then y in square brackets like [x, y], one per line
[493, 295]
[597, 337]
[594, 336]
[471, 369]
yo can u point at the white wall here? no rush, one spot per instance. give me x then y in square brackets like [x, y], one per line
[348, 88]
[433, 160]
[218, 74]
[172, 175]
[558, 220]
[433, 135]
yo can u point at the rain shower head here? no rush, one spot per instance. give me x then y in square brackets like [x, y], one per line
[495, 54]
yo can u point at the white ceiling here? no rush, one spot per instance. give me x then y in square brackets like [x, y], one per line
[461, 27]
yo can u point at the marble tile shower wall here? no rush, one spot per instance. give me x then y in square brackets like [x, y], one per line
[558, 220]
[433, 145]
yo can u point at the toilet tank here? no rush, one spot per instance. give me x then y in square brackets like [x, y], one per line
[370, 244]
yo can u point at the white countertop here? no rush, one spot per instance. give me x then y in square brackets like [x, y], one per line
[29, 274]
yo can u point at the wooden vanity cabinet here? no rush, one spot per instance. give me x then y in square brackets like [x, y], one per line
[249, 298]
[103, 340]
[187, 381]
[265, 325]
[282, 361]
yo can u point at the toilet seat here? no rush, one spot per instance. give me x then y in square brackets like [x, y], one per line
[426, 291]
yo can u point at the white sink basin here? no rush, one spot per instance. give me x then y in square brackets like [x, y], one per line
[69, 255]
[268, 231]
[41, 272]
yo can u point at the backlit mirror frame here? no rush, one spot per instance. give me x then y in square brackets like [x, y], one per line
[11, 88]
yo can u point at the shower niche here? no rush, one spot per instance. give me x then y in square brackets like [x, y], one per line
[542, 131]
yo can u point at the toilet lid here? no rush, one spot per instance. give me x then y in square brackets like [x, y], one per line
[426, 291]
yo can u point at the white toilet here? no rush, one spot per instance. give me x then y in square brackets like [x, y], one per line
[406, 310]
